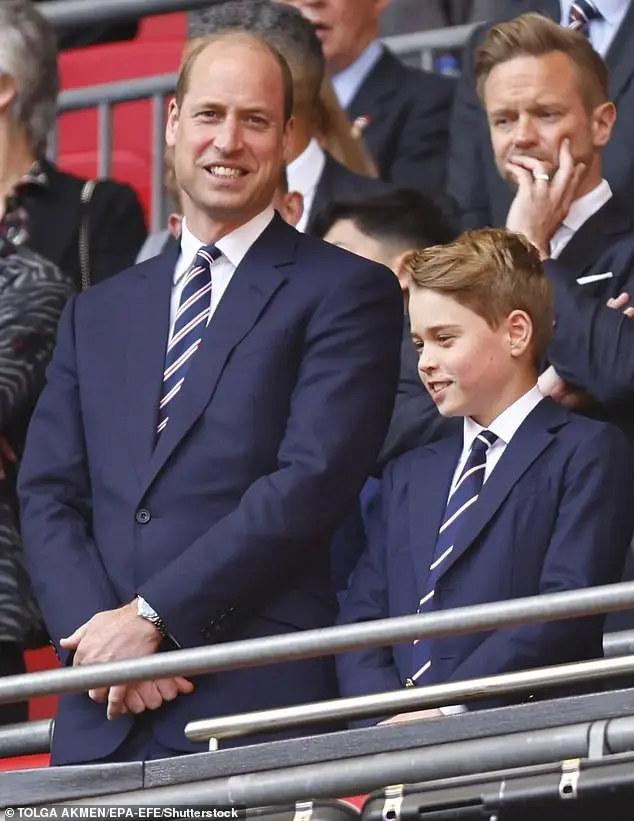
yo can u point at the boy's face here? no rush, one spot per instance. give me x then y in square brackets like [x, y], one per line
[468, 368]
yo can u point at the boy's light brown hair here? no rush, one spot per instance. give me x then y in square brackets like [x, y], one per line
[533, 35]
[492, 272]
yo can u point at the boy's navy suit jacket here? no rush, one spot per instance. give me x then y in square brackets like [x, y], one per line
[555, 514]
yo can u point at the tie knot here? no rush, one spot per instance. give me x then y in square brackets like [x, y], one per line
[483, 441]
[581, 13]
[207, 255]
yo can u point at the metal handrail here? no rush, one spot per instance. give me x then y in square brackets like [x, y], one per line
[27, 738]
[122, 91]
[34, 736]
[406, 700]
[72, 13]
[359, 775]
[321, 642]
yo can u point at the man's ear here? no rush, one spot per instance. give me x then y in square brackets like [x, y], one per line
[603, 119]
[288, 139]
[8, 91]
[171, 125]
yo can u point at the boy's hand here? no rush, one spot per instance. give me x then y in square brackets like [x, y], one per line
[417, 715]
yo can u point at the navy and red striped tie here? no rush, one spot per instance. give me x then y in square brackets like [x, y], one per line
[191, 320]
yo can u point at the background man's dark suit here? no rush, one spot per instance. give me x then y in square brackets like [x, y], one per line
[224, 526]
[409, 112]
[115, 222]
[338, 183]
[563, 479]
[482, 196]
[604, 244]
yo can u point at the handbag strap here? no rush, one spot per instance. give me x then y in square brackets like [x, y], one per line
[85, 197]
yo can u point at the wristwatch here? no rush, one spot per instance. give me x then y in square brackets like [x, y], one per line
[147, 612]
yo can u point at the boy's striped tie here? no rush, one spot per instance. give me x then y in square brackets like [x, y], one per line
[459, 504]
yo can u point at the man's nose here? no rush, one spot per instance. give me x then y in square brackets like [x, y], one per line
[525, 132]
[228, 136]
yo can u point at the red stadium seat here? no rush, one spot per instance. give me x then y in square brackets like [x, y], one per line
[44, 659]
[157, 50]
[25, 762]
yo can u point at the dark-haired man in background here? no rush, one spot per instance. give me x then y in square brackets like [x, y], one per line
[386, 229]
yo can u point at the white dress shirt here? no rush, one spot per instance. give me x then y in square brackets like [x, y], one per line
[505, 426]
[580, 212]
[234, 247]
[601, 32]
[349, 81]
[304, 174]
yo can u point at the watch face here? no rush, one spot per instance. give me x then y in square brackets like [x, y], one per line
[145, 610]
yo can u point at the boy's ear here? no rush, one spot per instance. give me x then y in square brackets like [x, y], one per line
[520, 332]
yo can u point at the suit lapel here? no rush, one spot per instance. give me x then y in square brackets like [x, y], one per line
[381, 83]
[147, 322]
[533, 436]
[251, 288]
[620, 56]
[431, 477]
[595, 237]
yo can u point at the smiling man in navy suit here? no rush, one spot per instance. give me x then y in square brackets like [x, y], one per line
[528, 499]
[209, 416]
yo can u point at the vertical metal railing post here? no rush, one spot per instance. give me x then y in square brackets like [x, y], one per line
[158, 169]
[104, 139]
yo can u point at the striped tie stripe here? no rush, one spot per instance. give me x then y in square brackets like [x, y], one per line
[190, 321]
[582, 13]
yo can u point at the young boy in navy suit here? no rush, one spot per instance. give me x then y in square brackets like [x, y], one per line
[527, 499]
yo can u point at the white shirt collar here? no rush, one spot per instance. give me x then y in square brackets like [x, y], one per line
[505, 425]
[347, 82]
[304, 172]
[585, 207]
[234, 245]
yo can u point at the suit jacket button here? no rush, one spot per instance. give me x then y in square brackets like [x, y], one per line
[142, 516]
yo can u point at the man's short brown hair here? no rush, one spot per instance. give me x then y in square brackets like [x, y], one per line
[194, 48]
[533, 35]
[492, 272]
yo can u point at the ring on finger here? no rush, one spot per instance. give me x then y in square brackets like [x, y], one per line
[541, 175]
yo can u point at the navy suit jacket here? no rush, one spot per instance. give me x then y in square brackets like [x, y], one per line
[408, 129]
[555, 514]
[223, 526]
[583, 349]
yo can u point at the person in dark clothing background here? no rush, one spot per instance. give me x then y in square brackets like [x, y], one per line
[90, 229]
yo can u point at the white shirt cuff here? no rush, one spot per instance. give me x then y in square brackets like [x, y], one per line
[453, 709]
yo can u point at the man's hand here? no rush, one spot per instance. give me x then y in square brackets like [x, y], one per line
[540, 205]
[621, 303]
[418, 715]
[113, 635]
[551, 384]
[146, 695]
